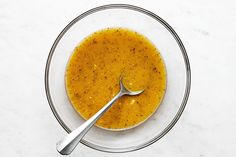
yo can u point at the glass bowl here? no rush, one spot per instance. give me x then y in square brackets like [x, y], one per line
[162, 36]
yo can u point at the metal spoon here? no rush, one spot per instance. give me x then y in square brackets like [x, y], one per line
[68, 144]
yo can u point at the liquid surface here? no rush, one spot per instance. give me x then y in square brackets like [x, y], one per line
[93, 71]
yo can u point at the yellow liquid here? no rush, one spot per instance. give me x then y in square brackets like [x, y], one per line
[93, 71]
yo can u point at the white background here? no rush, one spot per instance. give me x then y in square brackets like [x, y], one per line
[208, 30]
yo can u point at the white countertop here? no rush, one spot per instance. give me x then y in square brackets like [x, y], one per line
[207, 28]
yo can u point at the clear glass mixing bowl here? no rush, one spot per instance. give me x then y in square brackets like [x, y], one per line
[172, 50]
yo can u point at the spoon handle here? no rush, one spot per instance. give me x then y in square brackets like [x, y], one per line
[68, 144]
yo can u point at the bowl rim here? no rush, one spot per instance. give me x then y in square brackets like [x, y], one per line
[187, 83]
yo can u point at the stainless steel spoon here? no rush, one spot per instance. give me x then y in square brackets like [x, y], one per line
[68, 144]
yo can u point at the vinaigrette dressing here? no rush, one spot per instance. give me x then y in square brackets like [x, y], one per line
[93, 71]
